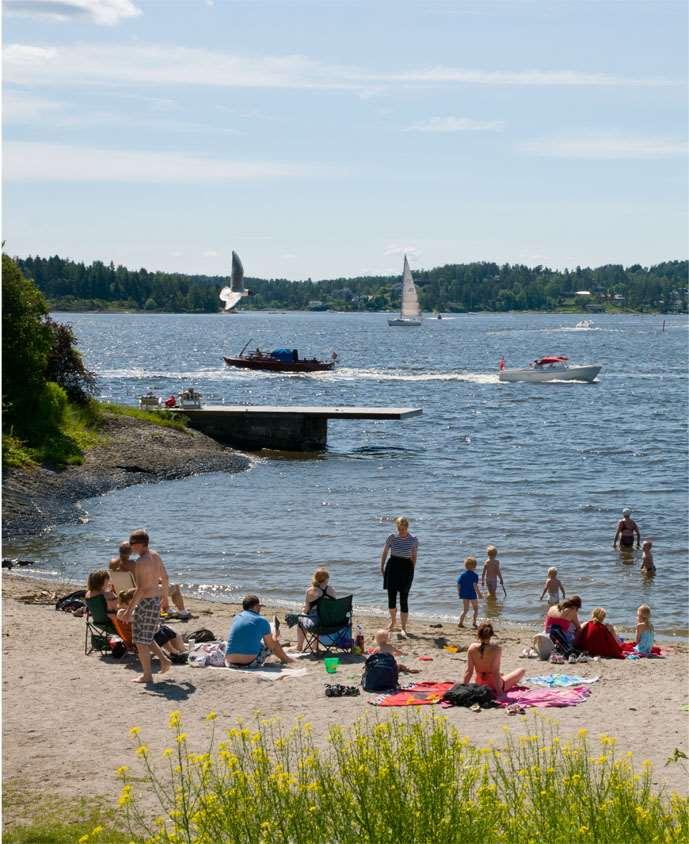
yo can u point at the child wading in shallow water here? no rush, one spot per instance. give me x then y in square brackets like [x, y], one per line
[647, 565]
[553, 587]
[383, 646]
[644, 630]
[491, 572]
[467, 587]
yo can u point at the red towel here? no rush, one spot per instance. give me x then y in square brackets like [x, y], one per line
[597, 640]
[628, 648]
[417, 694]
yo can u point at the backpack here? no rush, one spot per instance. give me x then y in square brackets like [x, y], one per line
[468, 694]
[201, 635]
[543, 644]
[380, 673]
[71, 602]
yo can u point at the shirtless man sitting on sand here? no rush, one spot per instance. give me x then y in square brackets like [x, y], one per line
[123, 563]
[144, 609]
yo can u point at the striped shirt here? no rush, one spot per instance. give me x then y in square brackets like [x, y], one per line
[402, 547]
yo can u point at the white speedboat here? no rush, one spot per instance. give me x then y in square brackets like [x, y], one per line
[550, 368]
[584, 325]
[410, 312]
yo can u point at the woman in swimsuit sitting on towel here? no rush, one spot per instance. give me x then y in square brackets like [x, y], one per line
[483, 657]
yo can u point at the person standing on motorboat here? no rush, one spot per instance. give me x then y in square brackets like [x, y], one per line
[627, 528]
[398, 572]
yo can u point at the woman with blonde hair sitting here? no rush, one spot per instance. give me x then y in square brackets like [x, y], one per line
[319, 589]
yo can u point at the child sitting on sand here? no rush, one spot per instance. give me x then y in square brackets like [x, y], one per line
[491, 572]
[598, 615]
[647, 565]
[384, 646]
[644, 630]
[98, 583]
[467, 587]
[553, 587]
[165, 636]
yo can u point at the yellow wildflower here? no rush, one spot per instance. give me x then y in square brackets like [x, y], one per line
[122, 771]
[583, 732]
[212, 715]
[134, 731]
[174, 719]
[181, 738]
[167, 753]
[97, 830]
[141, 750]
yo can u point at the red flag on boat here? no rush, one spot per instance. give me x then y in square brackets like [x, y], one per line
[501, 363]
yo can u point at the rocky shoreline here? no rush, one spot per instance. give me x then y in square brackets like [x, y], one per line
[131, 452]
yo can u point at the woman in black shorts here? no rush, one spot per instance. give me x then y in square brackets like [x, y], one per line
[398, 573]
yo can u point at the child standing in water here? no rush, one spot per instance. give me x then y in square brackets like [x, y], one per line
[647, 565]
[467, 587]
[644, 630]
[491, 572]
[553, 587]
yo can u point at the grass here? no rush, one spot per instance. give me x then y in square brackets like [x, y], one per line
[79, 431]
[163, 418]
[46, 819]
[397, 781]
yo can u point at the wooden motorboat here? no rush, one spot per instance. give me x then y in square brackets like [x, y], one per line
[280, 360]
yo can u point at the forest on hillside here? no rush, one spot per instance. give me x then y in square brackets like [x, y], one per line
[481, 286]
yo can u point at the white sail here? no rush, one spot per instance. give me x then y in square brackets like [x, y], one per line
[410, 301]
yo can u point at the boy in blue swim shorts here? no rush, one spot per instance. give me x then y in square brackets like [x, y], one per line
[469, 592]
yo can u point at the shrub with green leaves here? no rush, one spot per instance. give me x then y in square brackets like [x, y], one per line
[417, 780]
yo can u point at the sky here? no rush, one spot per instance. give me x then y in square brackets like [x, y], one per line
[326, 138]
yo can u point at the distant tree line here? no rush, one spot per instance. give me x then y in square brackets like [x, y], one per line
[480, 286]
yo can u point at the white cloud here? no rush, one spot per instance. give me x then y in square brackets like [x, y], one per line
[25, 108]
[399, 249]
[606, 147]
[456, 124]
[289, 256]
[39, 162]
[101, 12]
[211, 253]
[168, 65]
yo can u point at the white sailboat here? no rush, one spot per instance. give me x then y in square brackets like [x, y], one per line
[410, 314]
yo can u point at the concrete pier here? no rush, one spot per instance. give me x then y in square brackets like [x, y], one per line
[286, 428]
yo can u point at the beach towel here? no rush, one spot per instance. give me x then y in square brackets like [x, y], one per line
[416, 694]
[628, 650]
[597, 640]
[543, 698]
[268, 672]
[554, 681]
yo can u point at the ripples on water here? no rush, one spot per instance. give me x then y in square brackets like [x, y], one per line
[540, 470]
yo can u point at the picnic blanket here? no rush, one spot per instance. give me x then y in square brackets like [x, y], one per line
[553, 681]
[543, 698]
[416, 694]
[595, 639]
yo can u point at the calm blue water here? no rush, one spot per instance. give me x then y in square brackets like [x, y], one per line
[540, 471]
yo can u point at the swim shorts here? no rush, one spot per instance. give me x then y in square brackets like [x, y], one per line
[146, 621]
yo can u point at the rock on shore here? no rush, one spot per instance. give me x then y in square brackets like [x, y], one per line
[132, 452]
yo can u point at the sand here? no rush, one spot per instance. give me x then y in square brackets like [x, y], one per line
[67, 715]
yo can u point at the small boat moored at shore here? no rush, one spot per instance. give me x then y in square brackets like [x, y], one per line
[280, 360]
[149, 401]
[549, 368]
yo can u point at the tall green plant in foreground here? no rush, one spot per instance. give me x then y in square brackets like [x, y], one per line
[395, 781]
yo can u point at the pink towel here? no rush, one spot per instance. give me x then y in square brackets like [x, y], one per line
[543, 698]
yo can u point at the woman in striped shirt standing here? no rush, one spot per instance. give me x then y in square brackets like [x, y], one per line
[399, 571]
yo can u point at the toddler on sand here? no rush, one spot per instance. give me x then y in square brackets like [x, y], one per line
[491, 572]
[467, 587]
[647, 565]
[553, 587]
[384, 646]
[644, 630]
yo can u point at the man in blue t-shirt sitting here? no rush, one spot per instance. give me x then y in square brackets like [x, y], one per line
[250, 640]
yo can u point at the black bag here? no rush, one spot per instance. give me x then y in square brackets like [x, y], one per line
[380, 673]
[117, 647]
[71, 602]
[468, 694]
[198, 636]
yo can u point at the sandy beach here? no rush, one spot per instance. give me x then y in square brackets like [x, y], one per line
[67, 715]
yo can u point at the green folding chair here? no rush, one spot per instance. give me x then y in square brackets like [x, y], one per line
[98, 625]
[333, 631]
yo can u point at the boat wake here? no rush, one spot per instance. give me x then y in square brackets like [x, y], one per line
[351, 374]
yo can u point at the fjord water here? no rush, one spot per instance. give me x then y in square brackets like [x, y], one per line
[542, 471]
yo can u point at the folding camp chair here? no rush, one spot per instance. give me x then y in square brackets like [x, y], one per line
[122, 580]
[98, 624]
[333, 630]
